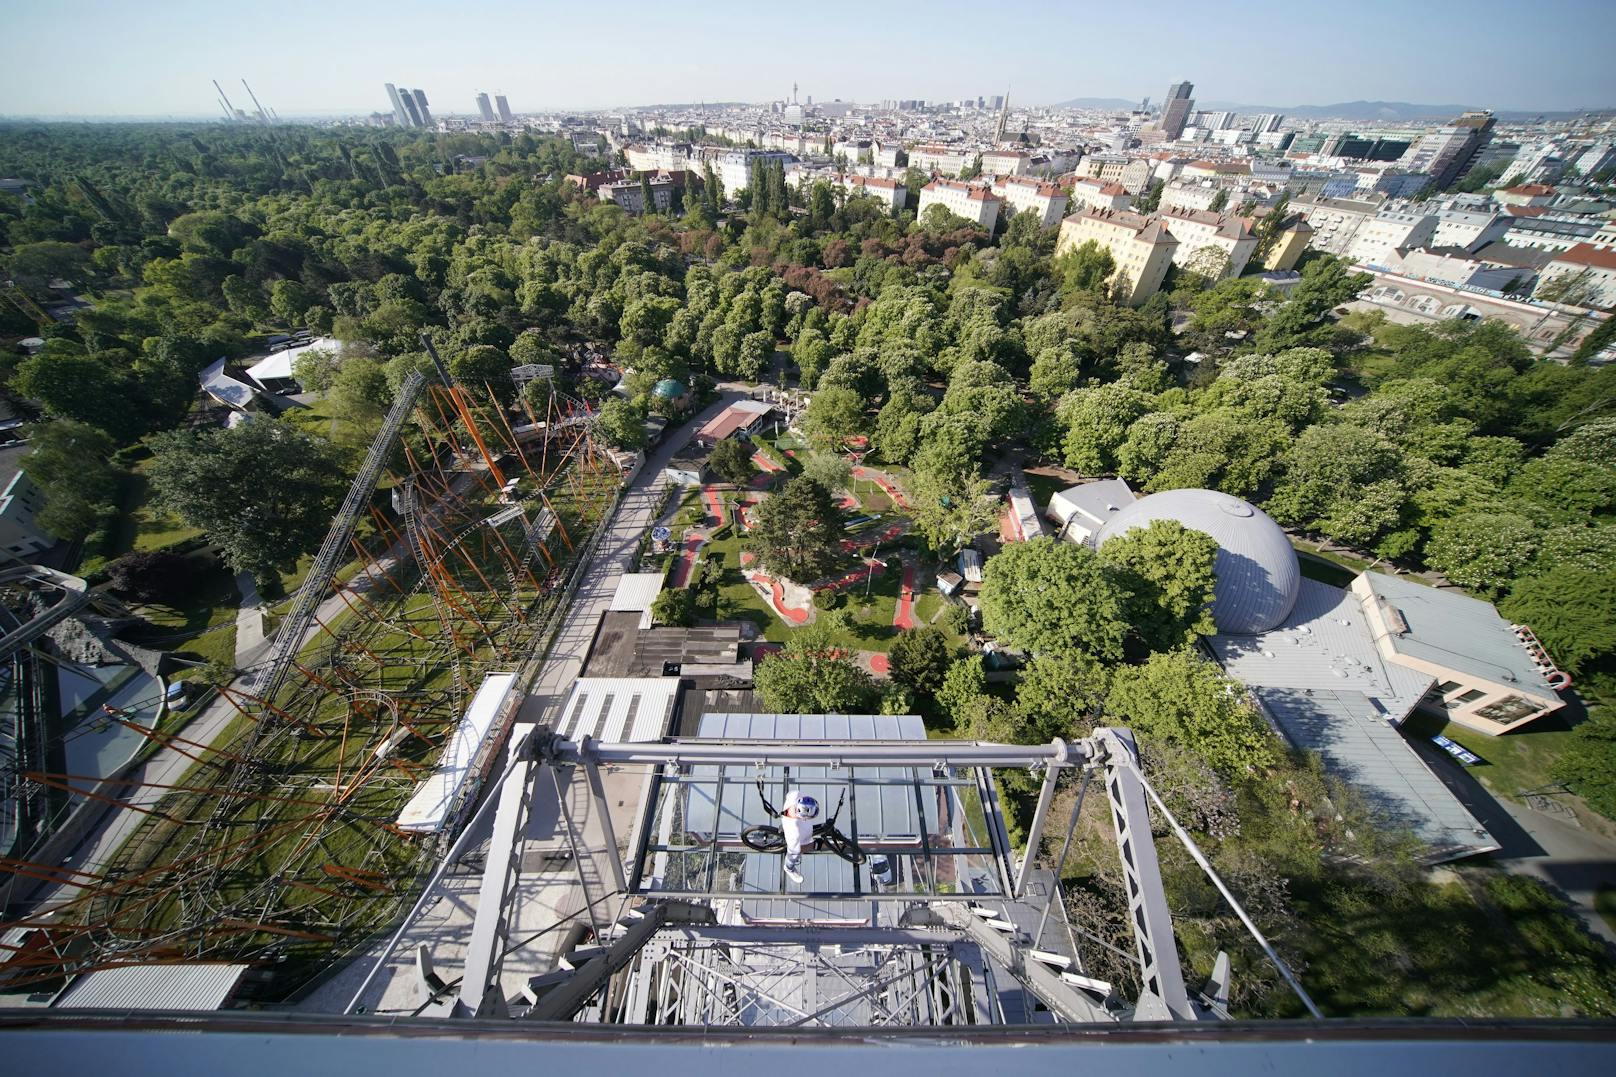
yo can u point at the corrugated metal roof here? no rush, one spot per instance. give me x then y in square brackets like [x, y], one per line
[635, 593]
[154, 987]
[1322, 680]
[1097, 501]
[618, 709]
[1360, 746]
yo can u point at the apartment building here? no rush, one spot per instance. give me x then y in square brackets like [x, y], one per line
[1200, 233]
[658, 156]
[949, 160]
[1141, 247]
[627, 193]
[1335, 221]
[972, 201]
[889, 192]
[1022, 194]
[1593, 265]
[1531, 228]
[1190, 196]
[1100, 194]
[1132, 173]
[734, 168]
[1469, 229]
[889, 155]
[1289, 246]
[1006, 163]
[1526, 194]
[1388, 231]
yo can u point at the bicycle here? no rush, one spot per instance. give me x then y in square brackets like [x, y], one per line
[767, 838]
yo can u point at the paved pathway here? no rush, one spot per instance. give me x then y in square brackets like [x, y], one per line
[250, 637]
[904, 615]
[886, 482]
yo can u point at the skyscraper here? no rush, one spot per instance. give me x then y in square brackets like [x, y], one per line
[409, 106]
[420, 103]
[484, 108]
[398, 106]
[1176, 109]
[504, 108]
[1448, 152]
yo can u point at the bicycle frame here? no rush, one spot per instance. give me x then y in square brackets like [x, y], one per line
[819, 828]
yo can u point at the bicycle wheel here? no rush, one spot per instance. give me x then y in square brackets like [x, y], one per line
[843, 846]
[764, 839]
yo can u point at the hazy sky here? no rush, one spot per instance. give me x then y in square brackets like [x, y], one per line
[128, 57]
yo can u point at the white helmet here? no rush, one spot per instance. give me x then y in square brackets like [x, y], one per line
[802, 806]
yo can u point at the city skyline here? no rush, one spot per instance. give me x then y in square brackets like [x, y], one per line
[159, 60]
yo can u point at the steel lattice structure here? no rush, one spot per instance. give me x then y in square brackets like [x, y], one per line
[278, 845]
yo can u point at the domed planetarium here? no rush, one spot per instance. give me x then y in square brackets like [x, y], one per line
[1258, 574]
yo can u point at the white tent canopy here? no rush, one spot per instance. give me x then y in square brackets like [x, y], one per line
[277, 366]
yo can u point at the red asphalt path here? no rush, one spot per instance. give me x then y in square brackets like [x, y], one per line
[904, 617]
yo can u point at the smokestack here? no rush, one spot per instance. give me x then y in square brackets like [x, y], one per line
[224, 97]
[263, 117]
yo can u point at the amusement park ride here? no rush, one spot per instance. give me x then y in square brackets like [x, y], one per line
[622, 903]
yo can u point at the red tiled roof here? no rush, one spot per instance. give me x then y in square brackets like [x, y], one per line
[1587, 254]
[1530, 190]
[981, 194]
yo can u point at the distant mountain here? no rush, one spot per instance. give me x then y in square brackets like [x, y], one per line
[1112, 103]
[1354, 111]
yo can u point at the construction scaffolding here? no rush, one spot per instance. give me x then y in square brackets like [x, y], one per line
[279, 846]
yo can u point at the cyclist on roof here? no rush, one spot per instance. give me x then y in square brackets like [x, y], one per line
[797, 823]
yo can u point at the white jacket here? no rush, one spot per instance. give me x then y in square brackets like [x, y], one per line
[798, 832]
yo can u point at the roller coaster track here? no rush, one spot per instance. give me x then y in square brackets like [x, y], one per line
[289, 640]
[75, 595]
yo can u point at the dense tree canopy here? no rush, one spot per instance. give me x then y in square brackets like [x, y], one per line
[264, 492]
[813, 675]
[1054, 597]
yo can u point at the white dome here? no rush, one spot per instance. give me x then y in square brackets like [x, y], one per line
[1258, 576]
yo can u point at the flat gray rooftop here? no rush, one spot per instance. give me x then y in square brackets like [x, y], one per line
[1459, 633]
[1321, 679]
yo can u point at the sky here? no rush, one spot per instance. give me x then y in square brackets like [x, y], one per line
[156, 57]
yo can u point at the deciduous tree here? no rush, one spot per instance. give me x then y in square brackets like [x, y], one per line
[264, 492]
[815, 674]
[1054, 598]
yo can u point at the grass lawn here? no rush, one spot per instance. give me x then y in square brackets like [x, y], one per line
[140, 525]
[1333, 572]
[1605, 904]
[1044, 487]
[200, 623]
[1511, 764]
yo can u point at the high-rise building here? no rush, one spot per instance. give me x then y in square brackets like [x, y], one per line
[1268, 121]
[409, 106]
[1176, 109]
[398, 106]
[1447, 153]
[504, 108]
[484, 108]
[420, 104]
